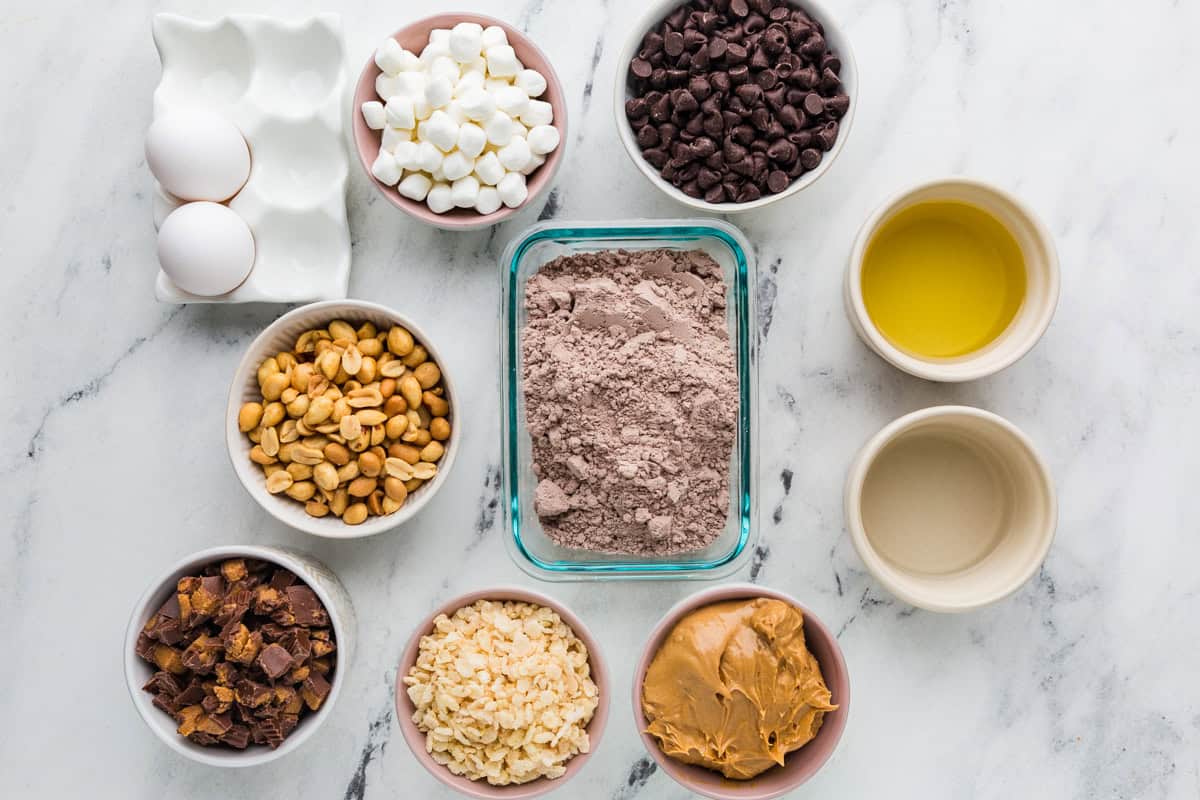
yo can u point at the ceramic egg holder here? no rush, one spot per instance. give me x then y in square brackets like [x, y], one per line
[282, 84]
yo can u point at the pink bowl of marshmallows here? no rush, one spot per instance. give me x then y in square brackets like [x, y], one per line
[459, 119]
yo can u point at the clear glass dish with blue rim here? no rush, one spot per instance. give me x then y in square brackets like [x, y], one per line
[527, 543]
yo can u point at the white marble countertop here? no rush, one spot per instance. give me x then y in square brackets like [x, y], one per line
[1083, 685]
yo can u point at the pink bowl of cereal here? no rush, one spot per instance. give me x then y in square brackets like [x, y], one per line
[459, 120]
[502, 693]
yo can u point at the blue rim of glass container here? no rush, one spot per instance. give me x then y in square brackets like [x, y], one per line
[675, 232]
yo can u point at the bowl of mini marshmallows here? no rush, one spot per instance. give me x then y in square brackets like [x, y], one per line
[459, 120]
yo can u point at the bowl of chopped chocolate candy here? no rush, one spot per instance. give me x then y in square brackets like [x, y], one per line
[236, 655]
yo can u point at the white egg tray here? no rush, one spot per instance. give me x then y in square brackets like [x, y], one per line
[284, 85]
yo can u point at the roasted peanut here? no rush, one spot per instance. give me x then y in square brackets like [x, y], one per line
[339, 502]
[417, 356]
[410, 390]
[259, 456]
[394, 487]
[318, 411]
[400, 341]
[367, 372]
[378, 435]
[439, 429]
[302, 491]
[371, 416]
[279, 482]
[424, 470]
[396, 427]
[365, 397]
[274, 385]
[347, 472]
[315, 509]
[298, 471]
[432, 452]
[352, 360]
[405, 452]
[361, 486]
[375, 503]
[270, 441]
[288, 432]
[427, 374]
[367, 331]
[330, 363]
[299, 407]
[266, 369]
[285, 360]
[437, 405]
[391, 506]
[369, 464]
[387, 388]
[355, 514]
[412, 485]
[337, 454]
[301, 375]
[307, 455]
[288, 395]
[273, 414]
[249, 416]
[325, 475]
[340, 329]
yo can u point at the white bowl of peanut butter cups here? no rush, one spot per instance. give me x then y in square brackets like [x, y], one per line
[304, 460]
[951, 508]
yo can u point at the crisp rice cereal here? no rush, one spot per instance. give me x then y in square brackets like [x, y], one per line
[503, 692]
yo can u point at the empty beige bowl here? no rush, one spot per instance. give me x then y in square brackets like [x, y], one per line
[950, 508]
[1041, 282]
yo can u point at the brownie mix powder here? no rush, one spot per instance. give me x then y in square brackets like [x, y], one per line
[631, 400]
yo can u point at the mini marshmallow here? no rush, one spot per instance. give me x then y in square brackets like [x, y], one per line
[464, 192]
[421, 109]
[439, 129]
[406, 155]
[476, 64]
[438, 91]
[389, 57]
[400, 112]
[502, 61]
[386, 85]
[512, 189]
[439, 45]
[438, 174]
[488, 200]
[512, 101]
[471, 139]
[489, 169]
[542, 139]
[466, 41]
[493, 35]
[515, 155]
[373, 113]
[468, 81]
[385, 168]
[477, 104]
[539, 112]
[415, 186]
[494, 85]
[410, 84]
[455, 110]
[428, 157]
[531, 82]
[499, 128]
[535, 161]
[393, 137]
[439, 199]
[445, 67]
[457, 165]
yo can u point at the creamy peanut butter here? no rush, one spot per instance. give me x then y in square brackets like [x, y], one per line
[734, 688]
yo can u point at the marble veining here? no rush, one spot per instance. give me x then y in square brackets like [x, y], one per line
[1082, 685]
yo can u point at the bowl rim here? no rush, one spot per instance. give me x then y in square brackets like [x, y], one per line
[981, 363]
[145, 605]
[849, 76]
[416, 740]
[834, 727]
[323, 527]
[861, 465]
[601, 233]
[452, 221]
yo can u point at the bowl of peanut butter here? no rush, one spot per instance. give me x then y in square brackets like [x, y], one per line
[741, 693]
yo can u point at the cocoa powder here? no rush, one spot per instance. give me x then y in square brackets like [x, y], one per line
[631, 400]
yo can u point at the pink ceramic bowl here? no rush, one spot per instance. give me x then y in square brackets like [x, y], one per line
[414, 37]
[800, 765]
[482, 789]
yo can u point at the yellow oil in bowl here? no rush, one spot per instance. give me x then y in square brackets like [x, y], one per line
[942, 279]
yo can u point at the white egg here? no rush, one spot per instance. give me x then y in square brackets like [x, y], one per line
[197, 155]
[205, 248]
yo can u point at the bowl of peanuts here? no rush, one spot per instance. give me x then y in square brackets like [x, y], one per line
[340, 420]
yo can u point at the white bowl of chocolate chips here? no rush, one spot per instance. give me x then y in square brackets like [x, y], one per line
[731, 105]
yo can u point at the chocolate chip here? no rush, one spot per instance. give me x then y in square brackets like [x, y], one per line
[734, 152]
[661, 111]
[810, 158]
[667, 133]
[767, 79]
[743, 135]
[641, 68]
[693, 39]
[837, 105]
[716, 194]
[802, 139]
[777, 181]
[736, 54]
[814, 104]
[778, 13]
[685, 102]
[760, 118]
[750, 93]
[749, 193]
[739, 74]
[805, 77]
[827, 136]
[692, 189]
[830, 80]
[788, 116]
[739, 8]
[782, 151]
[647, 137]
[831, 62]
[656, 156]
[753, 24]
[814, 46]
[776, 98]
[658, 78]
[699, 87]
[652, 43]
[714, 124]
[717, 47]
[636, 107]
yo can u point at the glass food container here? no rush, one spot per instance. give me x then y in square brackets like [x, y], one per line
[527, 543]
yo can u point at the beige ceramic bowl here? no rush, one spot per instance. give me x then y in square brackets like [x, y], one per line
[481, 789]
[950, 508]
[414, 37]
[656, 11]
[341, 616]
[281, 335]
[1033, 317]
[799, 765]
